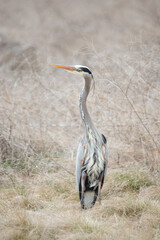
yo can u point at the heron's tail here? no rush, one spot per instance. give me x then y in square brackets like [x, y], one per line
[89, 198]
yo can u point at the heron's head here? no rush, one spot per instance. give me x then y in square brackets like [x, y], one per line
[79, 69]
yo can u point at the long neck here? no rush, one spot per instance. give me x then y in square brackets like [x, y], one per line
[86, 119]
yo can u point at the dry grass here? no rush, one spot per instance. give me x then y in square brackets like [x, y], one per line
[47, 207]
[40, 124]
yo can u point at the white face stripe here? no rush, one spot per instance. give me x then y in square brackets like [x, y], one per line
[82, 69]
[80, 66]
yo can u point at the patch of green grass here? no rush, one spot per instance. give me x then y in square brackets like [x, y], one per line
[133, 180]
[30, 165]
[17, 164]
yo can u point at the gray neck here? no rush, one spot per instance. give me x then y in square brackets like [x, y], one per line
[86, 119]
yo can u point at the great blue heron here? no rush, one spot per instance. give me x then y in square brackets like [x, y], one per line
[92, 154]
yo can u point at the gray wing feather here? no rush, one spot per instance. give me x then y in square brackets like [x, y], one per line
[79, 159]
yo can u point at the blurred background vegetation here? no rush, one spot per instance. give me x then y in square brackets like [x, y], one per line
[40, 124]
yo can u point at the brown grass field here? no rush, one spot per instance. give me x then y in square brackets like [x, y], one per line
[40, 125]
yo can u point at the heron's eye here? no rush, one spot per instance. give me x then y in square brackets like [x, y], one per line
[79, 70]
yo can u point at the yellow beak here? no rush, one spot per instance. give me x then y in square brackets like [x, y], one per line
[64, 67]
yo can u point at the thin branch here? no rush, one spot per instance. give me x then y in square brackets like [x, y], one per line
[138, 116]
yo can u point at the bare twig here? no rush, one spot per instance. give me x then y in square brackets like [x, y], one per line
[135, 111]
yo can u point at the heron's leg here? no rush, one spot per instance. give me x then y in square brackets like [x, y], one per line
[99, 188]
[83, 180]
